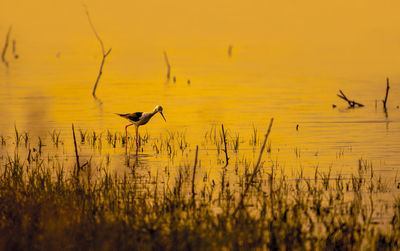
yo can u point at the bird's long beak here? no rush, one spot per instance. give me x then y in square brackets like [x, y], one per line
[163, 116]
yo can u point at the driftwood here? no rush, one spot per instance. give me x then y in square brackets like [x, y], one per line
[387, 93]
[103, 51]
[3, 54]
[352, 103]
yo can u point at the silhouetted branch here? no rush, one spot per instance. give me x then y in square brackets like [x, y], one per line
[255, 170]
[168, 65]
[100, 72]
[387, 93]
[352, 103]
[226, 160]
[3, 54]
[226, 151]
[105, 54]
[76, 152]
[14, 49]
[194, 175]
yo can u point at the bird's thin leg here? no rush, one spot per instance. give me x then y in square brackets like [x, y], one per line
[126, 136]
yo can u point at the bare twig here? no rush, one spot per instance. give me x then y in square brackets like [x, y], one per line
[3, 54]
[194, 174]
[226, 151]
[103, 51]
[226, 160]
[255, 170]
[352, 103]
[387, 93]
[168, 65]
[76, 152]
[14, 49]
[261, 152]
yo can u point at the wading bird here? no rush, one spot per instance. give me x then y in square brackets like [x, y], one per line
[138, 119]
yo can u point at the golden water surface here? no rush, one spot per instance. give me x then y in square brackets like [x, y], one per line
[289, 60]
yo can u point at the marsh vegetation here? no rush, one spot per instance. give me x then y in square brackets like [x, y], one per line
[252, 203]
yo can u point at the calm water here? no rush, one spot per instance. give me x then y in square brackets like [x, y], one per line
[221, 91]
[284, 69]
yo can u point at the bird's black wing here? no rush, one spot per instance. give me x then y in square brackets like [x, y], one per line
[135, 117]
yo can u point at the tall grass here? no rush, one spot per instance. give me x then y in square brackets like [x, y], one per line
[45, 205]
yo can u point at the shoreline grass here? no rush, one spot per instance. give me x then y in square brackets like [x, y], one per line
[45, 205]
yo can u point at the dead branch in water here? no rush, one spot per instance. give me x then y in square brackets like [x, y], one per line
[168, 65]
[103, 51]
[194, 175]
[352, 103]
[255, 170]
[387, 93]
[226, 160]
[14, 49]
[76, 152]
[226, 151]
[3, 54]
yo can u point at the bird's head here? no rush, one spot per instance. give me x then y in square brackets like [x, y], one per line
[160, 109]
